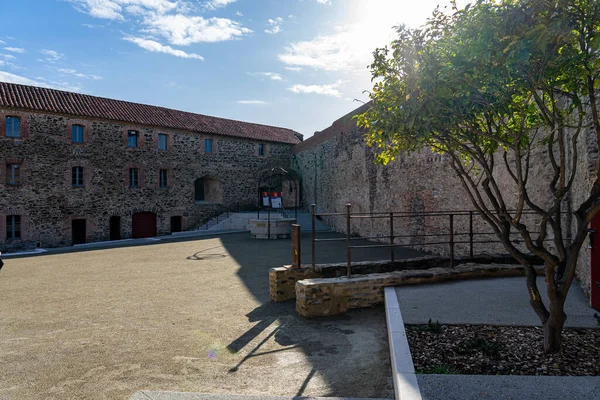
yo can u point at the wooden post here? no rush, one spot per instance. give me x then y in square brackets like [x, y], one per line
[296, 247]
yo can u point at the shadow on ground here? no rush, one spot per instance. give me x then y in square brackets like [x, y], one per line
[349, 352]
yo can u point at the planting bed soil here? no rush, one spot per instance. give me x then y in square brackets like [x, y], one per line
[501, 350]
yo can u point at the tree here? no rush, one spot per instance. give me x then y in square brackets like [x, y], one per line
[493, 86]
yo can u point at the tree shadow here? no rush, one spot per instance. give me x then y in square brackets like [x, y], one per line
[349, 351]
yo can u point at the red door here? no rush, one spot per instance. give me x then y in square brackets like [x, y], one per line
[595, 267]
[144, 225]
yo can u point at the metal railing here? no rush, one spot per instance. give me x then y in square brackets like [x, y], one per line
[393, 238]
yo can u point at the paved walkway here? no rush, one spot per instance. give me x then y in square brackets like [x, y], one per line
[477, 387]
[500, 301]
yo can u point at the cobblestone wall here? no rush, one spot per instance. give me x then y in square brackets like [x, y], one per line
[47, 201]
[338, 168]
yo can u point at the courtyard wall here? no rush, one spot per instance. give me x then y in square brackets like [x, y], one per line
[338, 168]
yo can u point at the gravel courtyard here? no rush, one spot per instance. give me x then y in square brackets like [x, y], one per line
[184, 316]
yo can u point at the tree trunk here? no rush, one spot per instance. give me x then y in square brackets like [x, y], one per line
[553, 328]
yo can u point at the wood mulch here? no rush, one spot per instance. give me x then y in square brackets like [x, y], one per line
[501, 350]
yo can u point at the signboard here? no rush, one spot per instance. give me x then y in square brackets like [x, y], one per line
[266, 201]
[276, 201]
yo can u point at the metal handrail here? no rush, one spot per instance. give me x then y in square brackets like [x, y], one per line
[451, 242]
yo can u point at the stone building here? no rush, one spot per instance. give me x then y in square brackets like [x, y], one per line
[76, 168]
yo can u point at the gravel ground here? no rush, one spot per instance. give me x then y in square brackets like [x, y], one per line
[501, 350]
[191, 315]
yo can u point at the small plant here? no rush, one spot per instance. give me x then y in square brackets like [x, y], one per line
[434, 327]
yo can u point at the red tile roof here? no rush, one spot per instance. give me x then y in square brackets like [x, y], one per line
[82, 105]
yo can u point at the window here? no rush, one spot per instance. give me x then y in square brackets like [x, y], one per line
[77, 176]
[77, 134]
[208, 145]
[164, 178]
[261, 149]
[132, 139]
[162, 141]
[13, 174]
[13, 127]
[134, 177]
[13, 227]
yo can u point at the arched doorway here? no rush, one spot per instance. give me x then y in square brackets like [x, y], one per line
[143, 225]
[208, 189]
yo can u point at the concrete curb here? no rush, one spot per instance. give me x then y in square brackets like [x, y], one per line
[406, 386]
[25, 253]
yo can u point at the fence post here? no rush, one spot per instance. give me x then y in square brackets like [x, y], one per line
[296, 247]
[451, 240]
[392, 236]
[269, 224]
[313, 206]
[471, 234]
[349, 250]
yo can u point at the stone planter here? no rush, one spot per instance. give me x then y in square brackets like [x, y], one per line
[276, 228]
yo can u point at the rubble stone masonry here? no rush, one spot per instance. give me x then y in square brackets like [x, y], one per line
[47, 201]
[338, 168]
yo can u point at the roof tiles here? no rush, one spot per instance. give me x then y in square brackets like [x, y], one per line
[82, 105]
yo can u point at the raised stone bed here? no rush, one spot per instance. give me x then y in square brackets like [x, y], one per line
[329, 296]
[282, 280]
[276, 228]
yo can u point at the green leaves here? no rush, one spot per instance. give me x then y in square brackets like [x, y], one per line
[488, 76]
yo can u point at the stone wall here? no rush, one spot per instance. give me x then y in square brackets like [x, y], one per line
[331, 296]
[47, 201]
[338, 168]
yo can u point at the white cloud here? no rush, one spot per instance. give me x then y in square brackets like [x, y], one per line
[324, 1]
[2, 42]
[326, 90]
[184, 30]
[214, 4]
[114, 9]
[274, 26]
[156, 47]
[51, 55]
[253, 102]
[15, 50]
[8, 56]
[238, 14]
[366, 26]
[70, 71]
[22, 80]
[91, 26]
[293, 68]
[271, 75]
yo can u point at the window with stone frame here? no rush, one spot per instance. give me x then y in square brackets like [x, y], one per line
[132, 139]
[208, 145]
[134, 177]
[13, 174]
[162, 141]
[164, 178]
[77, 176]
[77, 133]
[13, 227]
[13, 127]
[261, 149]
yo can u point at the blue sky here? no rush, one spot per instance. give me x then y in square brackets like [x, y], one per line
[293, 63]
